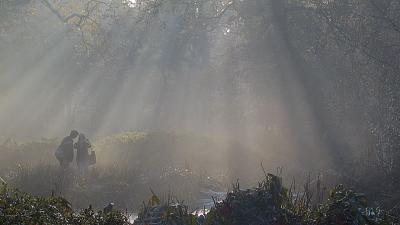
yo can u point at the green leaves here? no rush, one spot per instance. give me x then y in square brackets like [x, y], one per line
[21, 208]
[269, 203]
[344, 206]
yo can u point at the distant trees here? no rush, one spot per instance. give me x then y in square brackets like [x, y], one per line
[339, 58]
[355, 47]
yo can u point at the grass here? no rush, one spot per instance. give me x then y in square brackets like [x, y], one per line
[126, 187]
[165, 165]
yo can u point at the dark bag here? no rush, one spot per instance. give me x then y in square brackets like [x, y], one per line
[92, 158]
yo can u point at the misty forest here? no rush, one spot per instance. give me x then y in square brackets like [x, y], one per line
[200, 112]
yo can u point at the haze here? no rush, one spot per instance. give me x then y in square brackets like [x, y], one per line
[304, 85]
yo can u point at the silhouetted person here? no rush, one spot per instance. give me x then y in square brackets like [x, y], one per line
[82, 153]
[65, 152]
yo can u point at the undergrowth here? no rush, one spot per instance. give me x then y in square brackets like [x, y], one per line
[270, 203]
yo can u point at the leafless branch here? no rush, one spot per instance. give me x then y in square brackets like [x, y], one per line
[90, 6]
[384, 16]
[223, 11]
[354, 44]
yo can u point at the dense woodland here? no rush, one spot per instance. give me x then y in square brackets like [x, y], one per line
[312, 86]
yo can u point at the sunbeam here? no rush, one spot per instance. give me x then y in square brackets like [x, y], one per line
[102, 99]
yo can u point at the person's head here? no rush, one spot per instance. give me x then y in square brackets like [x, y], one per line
[74, 134]
[81, 137]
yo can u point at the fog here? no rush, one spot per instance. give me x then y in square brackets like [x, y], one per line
[238, 71]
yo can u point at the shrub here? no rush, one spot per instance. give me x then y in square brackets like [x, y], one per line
[21, 208]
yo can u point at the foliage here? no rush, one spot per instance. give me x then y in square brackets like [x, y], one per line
[15, 153]
[353, 47]
[21, 208]
[166, 212]
[347, 207]
[269, 203]
[156, 148]
[344, 54]
[127, 188]
[31, 167]
[123, 138]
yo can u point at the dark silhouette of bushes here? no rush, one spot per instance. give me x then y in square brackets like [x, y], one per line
[268, 204]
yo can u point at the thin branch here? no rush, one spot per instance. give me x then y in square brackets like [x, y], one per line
[222, 12]
[359, 46]
[81, 17]
[54, 10]
[385, 17]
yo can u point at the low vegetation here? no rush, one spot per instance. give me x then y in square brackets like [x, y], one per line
[32, 168]
[165, 165]
[269, 203]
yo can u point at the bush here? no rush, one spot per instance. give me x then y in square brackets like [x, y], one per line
[268, 204]
[345, 207]
[21, 208]
[271, 204]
